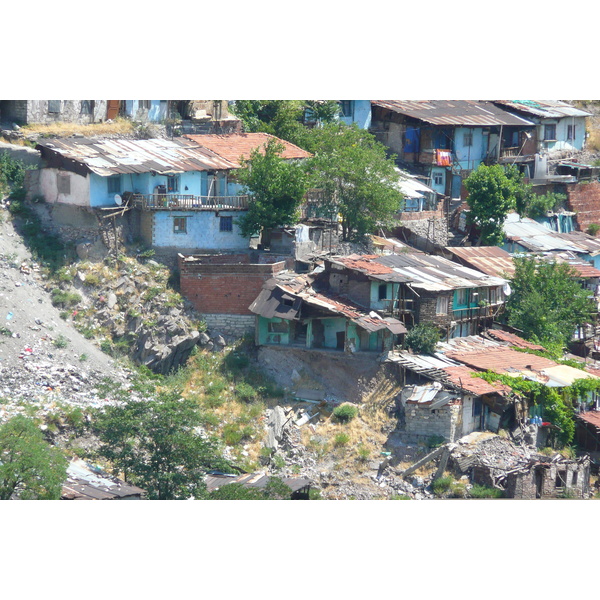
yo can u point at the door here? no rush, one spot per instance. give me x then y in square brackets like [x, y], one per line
[340, 339]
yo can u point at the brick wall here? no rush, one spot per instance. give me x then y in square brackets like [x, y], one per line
[224, 284]
[584, 199]
[422, 422]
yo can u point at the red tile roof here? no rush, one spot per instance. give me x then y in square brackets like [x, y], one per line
[463, 377]
[502, 360]
[235, 145]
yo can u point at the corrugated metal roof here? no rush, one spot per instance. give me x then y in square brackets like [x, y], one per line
[116, 157]
[466, 113]
[592, 417]
[512, 339]
[235, 145]
[253, 480]
[491, 260]
[503, 360]
[420, 270]
[546, 109]
[564, 375]
[87, 483]
[464, 378]
[411, 187]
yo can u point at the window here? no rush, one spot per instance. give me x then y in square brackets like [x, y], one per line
[438, 178]
[561, 479]
[383, 291]
[53, 106]
[468, 139]
[63, 183]
[173, 183]
[346, 108]
[226, 224]
[145, 104]
[571, 132]
[461, 297]
[180, 225]
[114, 184]
[574, 478]
[476, 407]
[87, 107]
[441, 305]
[549, 132]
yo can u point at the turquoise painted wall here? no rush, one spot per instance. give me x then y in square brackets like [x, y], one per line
[391, 292]
[469, 157]
[361, 114]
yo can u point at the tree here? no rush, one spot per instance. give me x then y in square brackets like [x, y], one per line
[357, 178]
[276, 187]
[423, 338]
[492, 195]
[275, 489]
[30, 468]
[156, 445]
[546, 302]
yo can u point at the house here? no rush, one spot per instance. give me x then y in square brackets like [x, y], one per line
[176, 190]
[25, 112]
[355, 112]
[522, 473]
[300, 311]
[446, 139]
[417, 288]
[559, 126]
[587, 430]
[85, 482]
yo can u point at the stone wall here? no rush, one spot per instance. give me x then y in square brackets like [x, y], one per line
[232, 325]
[423, 423]
[575, 476]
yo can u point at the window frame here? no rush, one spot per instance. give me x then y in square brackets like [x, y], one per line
[173, 184]
[441, 303]
[436, 175]
[63, 183]
[468, 139]
[113, 184]
[571, 132]
[226, 219]
[549, 128]
[180, 229]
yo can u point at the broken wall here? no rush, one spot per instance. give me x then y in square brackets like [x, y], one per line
[422, 422]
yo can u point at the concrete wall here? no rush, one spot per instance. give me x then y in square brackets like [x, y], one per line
[470, 157]
[157, 111]
[202, 231]
[70, 112]
[233, 325]
[361, 114]
[80, 187]
[562, 126]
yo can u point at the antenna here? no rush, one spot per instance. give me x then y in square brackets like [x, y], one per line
[118, 200]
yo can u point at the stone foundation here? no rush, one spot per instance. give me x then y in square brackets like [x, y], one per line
[232, 325]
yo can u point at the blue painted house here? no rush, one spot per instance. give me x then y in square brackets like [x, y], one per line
[179, 190]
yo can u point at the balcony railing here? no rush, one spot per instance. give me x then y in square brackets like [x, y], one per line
[188, 202]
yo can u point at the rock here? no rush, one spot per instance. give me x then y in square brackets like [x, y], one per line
[220, 340]
[203, 339]
[111, 301]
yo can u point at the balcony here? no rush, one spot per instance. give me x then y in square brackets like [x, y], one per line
[187, 202]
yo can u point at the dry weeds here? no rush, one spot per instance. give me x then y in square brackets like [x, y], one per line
[59, 129]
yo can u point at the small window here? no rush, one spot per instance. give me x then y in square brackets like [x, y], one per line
[571, 132]
[383, 291]
[145, 104]
[477, 407]
[549, 133]
[63, 183]
[574, 478]
[441, 305]
[438, 178]
[561, 479]
[468, 139]
[87, 107]
[226, 224]
[54, 106]
[346, 108]
[461, 297]
[114, 184]
[173, 184]
[180, 225]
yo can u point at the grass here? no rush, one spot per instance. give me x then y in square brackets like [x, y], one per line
[61, 342]
[484, 491]
[60, 129]
[345, 413]
[441, 485]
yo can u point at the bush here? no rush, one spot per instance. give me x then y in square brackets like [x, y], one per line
[441, 485]
[61, 342]
[341, 439]
[423, 338]
[593, 229]
[484, 491]
[345, 413]
[245, 392]
[435, 441]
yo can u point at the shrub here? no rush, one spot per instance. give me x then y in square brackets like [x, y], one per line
[64, 299]
[423, 338]
[435, 441]
[341, 439]
[484, 491]
[593, 228]
[345, 413]
[363, 452]
[246, 392]
[441, 485]
[61, 342]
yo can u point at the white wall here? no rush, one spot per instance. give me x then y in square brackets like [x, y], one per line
[80, 187]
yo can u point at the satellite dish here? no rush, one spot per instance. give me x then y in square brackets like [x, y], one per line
[506, 289]
[118, 200]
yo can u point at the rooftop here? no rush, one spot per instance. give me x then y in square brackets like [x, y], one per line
[232, 147]
[546, 109]
[491, 260]
[467, 113]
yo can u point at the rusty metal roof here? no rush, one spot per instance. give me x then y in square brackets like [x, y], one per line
[235, 145]
[487, 259]
[512, 339]
[465, 378]
[592, 417]
[502, 360]
[418, 269]
[116, 157]
[465, 113]
[253, 480]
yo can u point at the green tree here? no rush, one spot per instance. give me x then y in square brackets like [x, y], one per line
[275, 489]
[546, 302]
[30, 468]
[276, 187]
[492, 195]
[156, 445]
[422, 338]
[357, 178]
